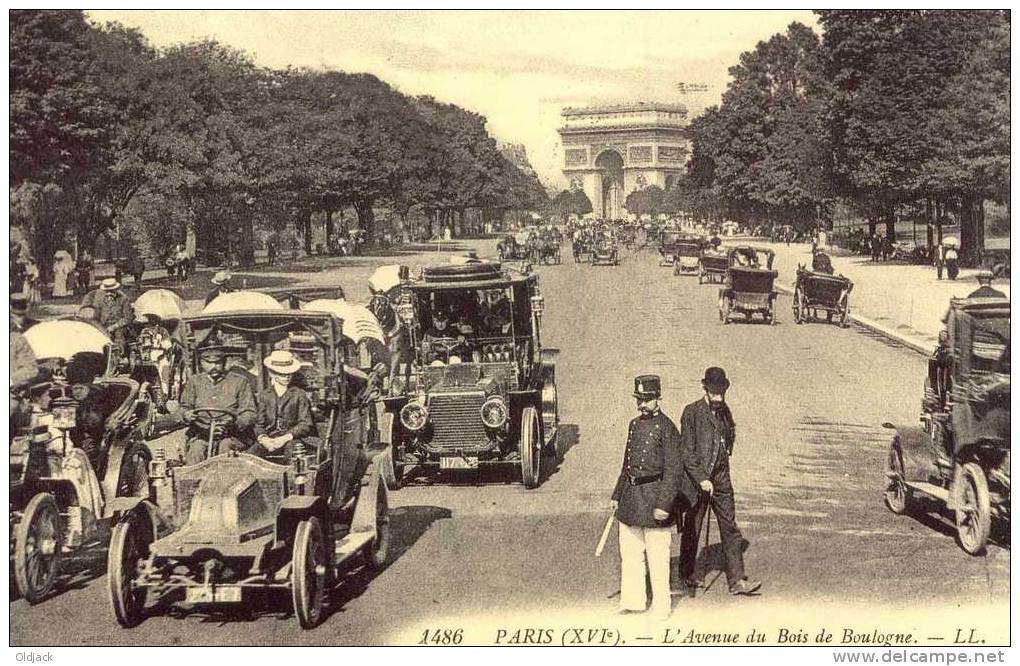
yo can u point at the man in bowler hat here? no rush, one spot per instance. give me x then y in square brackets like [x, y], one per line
[707, 433]
[644, 499]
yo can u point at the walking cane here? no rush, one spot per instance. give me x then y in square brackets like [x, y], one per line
[707, 526]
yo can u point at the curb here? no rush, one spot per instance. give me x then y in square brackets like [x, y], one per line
[909, 342]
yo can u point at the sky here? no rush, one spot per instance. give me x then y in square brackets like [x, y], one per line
[517, 68]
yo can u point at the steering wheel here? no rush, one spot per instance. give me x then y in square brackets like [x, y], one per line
[207, 417]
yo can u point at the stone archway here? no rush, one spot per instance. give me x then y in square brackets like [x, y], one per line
[610, 167]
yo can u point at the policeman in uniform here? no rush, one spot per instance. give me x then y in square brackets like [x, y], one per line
[707, 433]
[644, 499]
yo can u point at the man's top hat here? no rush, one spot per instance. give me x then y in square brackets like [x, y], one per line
[647, 387]
[715, 380]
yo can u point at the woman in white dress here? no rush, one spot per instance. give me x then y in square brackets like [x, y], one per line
[63, 267]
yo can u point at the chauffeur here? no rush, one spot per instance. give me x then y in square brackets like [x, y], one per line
[707, 433]
[644, 498]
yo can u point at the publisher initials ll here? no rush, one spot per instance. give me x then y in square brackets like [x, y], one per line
[969, 639]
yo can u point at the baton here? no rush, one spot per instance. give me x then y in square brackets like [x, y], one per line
[605, 534]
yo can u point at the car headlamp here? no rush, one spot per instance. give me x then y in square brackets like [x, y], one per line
[494, 412]
[414, 416]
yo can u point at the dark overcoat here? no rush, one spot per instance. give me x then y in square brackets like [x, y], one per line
[706, 442]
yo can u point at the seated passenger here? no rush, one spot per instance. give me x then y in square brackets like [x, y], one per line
[821, 263]
[284, 411]
[497, 322]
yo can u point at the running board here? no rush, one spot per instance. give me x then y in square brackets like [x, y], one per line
[938, 492]
[353, 543]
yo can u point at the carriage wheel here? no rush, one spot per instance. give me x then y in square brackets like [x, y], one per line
[550, 414]
[974, 517]
[378, 549]
[38, 541]
[798, 307]
[530, 447]
[897, 494]
[129, 548]
[310, 573]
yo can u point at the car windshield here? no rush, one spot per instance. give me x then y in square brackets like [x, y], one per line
[473, 313]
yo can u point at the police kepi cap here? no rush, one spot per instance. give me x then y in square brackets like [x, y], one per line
[715, 380]
[212, 354]
[647, 387]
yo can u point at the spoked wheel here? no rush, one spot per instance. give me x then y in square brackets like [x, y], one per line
[550, 413]
[378, 549]
[974, 517]
[38, 540]
[897, 495]
[311, 575]
[129, 548]
[798, 307]
[530, 447]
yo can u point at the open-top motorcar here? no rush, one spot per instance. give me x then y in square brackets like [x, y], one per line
[78, 458]
[604, 251]
[687, 255]
[749, 287]
[483, 390]
[960, 454]
[235, 521]
[713, 265]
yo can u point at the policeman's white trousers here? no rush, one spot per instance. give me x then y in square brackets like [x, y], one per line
[639, 545]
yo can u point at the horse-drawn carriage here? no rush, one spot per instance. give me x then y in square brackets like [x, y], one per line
[960, 456]
[749, 287]
[816, 292]
[545, 250]
[582, 246]
[78, 457]
[511, 250]
[236, 521]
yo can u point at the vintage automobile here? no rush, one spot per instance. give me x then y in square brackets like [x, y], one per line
[687, 255]
[668, 240]
[960, 455]
[714, 264]
[749, 286]
[61, 499]
[481, 394]
[816, 292]
[604, 251]
[236, 521]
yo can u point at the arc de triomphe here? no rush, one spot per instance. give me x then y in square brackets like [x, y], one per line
[610, 151]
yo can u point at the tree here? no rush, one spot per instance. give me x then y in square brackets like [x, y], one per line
[647, 201]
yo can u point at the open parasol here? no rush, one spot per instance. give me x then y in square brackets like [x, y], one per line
[237, 301]
[384, 278]
[163, 303]
[63, 338]
[359, 322]
[951, 241]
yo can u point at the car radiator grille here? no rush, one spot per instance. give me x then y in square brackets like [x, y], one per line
[456, 421]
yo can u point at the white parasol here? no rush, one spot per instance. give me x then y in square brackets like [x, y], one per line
[163, 303]
[59, 255]
[951, 241]
[384, 278]
[65, 338]
[236, 301]
[359, 322]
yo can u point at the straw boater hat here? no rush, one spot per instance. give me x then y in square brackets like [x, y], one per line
[282, 362]
[220, 277]
[109, 284]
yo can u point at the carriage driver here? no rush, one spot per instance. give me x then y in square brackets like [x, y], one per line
[284, 411]
[214, 387]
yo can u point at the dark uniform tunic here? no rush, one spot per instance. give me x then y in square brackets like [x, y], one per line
[650, 476]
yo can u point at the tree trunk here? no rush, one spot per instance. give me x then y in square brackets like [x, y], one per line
[968, 242]
[366, 219]
[929, 225]
[306, 229]
[246, 239]
[328, 228]
[890, 223]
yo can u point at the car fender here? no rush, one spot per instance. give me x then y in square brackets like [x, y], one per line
[914, 446]
[119, 507]
[292, 510]
[371, 485]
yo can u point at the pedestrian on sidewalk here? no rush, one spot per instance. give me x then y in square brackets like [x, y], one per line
[876, 247]
[644, 499]
[939, 259]
[707, 435]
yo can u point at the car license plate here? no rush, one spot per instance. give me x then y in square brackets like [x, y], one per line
[220, 594]
[451, 462]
